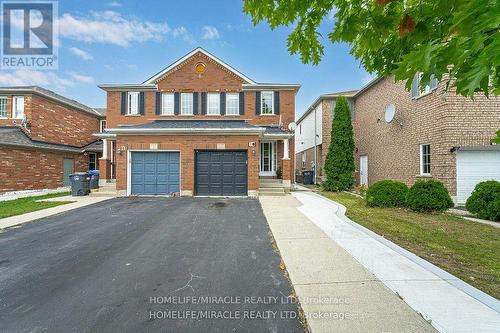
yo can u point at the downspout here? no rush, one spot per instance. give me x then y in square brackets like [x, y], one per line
[315, 148]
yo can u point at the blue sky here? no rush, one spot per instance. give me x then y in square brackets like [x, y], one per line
[128, 41]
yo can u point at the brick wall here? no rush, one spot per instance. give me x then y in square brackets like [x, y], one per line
[187, 146]
[30, 169]
[215, 79]
[55, 123]
[442, 121]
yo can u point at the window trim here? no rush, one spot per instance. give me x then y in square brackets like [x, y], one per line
[96, 167]
[420, 92]
[237, 103]
[262, 104]
[217, 98]
[181, 104]
[164, 105]
[102, 125]
[5, 98]
[14, 107]
[421, 158]
[129, 103]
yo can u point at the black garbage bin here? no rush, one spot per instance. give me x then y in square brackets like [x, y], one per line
[94, 179]
[80, 184]
[308, 177]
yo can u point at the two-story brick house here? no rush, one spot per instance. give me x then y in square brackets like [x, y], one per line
[407, 136]
[44, 137]
[199, 127]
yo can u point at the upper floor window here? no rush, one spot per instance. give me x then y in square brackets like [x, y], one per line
[167, 103]
[417, 91]
[213, 103]
[425, 160]
[3, 106]
[186, 103]
[18, 107]
[102, 125]
[232, 103]
[267, 102]
[133, 103]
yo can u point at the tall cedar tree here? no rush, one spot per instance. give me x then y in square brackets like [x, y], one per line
[339, 164]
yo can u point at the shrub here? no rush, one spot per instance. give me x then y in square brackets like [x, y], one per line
[386, 193]
[427, 196]
[484, 202]
[339, 162]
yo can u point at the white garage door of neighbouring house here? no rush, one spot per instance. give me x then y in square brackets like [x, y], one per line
[473, 167]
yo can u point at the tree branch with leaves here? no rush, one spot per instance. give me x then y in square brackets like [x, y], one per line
[454, 40]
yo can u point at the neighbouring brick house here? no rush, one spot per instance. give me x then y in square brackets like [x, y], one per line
[199, 127]
[314, 128]
[426, 134]
[44, 137]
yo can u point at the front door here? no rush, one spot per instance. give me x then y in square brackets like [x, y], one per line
[68, 167]
[363, 170]
[268, 158]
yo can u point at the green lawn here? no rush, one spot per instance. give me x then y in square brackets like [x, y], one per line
[466, 249]
[29, 204]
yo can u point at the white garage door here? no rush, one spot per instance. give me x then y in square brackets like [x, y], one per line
[475, 166]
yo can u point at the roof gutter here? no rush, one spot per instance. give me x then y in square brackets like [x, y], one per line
[128, 87]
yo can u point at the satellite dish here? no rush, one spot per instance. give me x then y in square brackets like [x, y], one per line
[390, 112]
[292, 126]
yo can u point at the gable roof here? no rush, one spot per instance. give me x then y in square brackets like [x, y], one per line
[348, 94]
[50, 95]
[164, 71]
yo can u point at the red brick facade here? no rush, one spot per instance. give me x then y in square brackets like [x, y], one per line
[34, 169]
[47, 121]
[216, 78]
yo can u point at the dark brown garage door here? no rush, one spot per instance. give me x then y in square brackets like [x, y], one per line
[221, 173]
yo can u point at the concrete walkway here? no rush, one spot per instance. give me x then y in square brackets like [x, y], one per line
[450, 304]
[336, 292]
[28, 217]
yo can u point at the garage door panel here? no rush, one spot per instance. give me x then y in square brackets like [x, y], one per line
[155, 173]
[221, 173]
[474, 167]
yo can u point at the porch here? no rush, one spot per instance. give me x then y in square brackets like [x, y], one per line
[275, 162]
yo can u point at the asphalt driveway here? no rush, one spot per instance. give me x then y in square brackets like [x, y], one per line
[146, 265]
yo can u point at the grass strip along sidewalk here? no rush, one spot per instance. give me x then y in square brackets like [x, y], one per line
[466, 249]
[30, 204]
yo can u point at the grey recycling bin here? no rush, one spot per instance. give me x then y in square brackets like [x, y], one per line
[80, 184]
[308, 177]
[94, 179]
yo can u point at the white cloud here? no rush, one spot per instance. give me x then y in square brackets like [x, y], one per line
[368, 78]
[46, 79]
[210, 32]
[182, 32]
[81, 53]
[81, 78]
[114, 4]
[110, 27]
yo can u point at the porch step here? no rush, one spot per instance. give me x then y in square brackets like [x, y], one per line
[271, 183]
[270, 191]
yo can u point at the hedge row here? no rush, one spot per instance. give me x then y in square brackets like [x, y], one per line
[423, 196]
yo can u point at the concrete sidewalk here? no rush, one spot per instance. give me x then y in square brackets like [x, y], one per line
[28, 217]
[337, 293]
[441, 298]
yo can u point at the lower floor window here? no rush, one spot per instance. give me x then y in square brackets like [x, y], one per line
[92, 161]
[425, 159]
